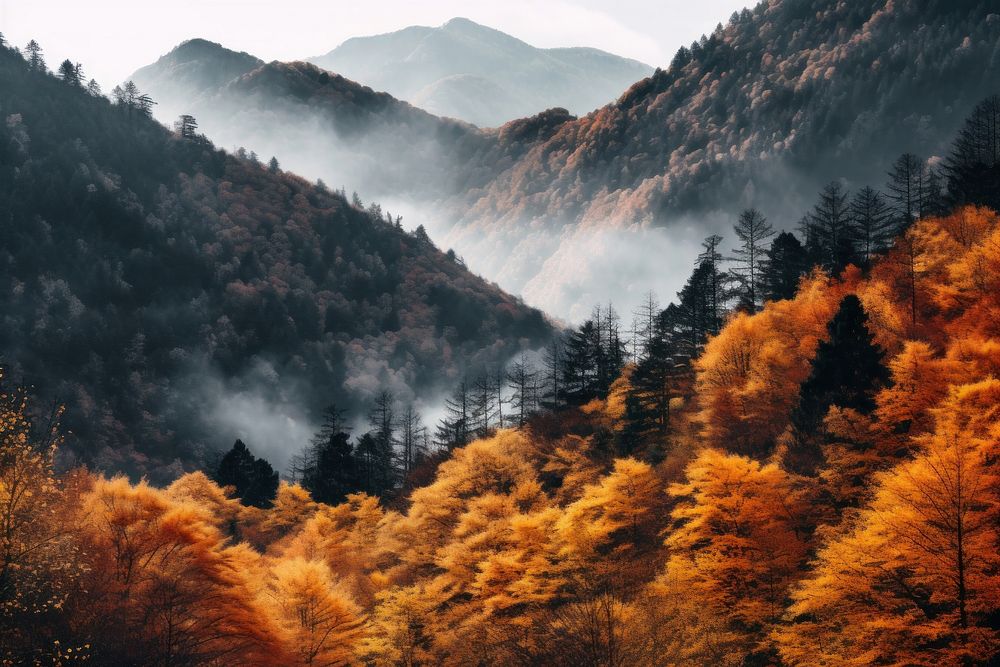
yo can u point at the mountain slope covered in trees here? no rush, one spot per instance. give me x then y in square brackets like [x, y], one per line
[169, 293]
[465, 70]
[727, 536]
[782, 99]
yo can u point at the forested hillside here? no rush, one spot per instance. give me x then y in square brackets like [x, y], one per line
[824, 493]
[794, 463]
[761, 113]
[168, 293]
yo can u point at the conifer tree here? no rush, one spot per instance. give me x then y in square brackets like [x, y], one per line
[832, 225]
[873, 222]
[973, 167]
[455, 428]
[752, 229]
[906, 189]
[36, 60]
[710, 262]
[255, 481]
[522, 380]
[331, 472]
[846, 371]
[786, 262]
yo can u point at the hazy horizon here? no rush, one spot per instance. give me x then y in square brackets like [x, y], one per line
[647, 32]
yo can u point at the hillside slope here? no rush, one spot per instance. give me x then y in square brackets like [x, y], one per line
[173, 296]
[465, 70]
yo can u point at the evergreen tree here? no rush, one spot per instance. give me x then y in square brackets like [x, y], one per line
[94, 88]
[654, 382]
[382, 420]
[273, 166]
[69, 73]
[36, 60]
[710, 261]
[330, 471]
[187, 126]
[254, 479]
[906, 190]
[973, 167]
[484, 405]
[455, 428]
[580, 364]
[832, 225]
[752, 229]
[873, 222]
[785, 263]
[846, 371]
[694, 317]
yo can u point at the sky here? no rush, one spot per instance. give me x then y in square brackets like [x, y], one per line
[113, 38]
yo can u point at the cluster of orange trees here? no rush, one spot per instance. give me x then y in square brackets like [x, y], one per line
[538, 546]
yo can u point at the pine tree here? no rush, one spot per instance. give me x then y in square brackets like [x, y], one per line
[580, 365]
[273, 166]
[554, 391]
[330, 471]
[906, 190]
[654, 382]
[36, 60]
[187, 126]
[382, 420]
[832, 225]
[873, 222]
[255, 481]
[455, 428]
[846, 371]
[69, 74]
[786, 262]
[973, 167]
[710, 261]
[752, 230]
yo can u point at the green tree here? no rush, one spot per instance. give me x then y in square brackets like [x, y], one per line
[255, 481]
[847, 371]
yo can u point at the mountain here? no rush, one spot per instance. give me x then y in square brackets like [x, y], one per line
[174, 296]
[781, 100]
[465, 70]
[317, 122]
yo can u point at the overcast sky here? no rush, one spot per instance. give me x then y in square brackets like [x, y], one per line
[113, 38]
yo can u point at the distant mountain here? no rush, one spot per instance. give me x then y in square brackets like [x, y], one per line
[174, 297]
[763, 112]
[469, 71]
[779, 101]
[322, 124]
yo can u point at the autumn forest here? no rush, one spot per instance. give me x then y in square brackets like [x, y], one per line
[794, 461]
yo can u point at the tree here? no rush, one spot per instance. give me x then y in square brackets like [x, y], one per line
[873, 223]
[846, 371]
[973, 166]
[906, 189]
[94, 88]
[36, 60]
[322, 621]
[580, 363]
[912, 578]
[785, 264]
[522, 380]
[187, 126]
[69, 73]
[330, 471]
[655, 381]
[740, 539]
[273, 166]
[553, 361]
[752, 230]
[381, 458]
[831, 222]
[709, 261]
[254, 480]
[412, 435]
[455, 428]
